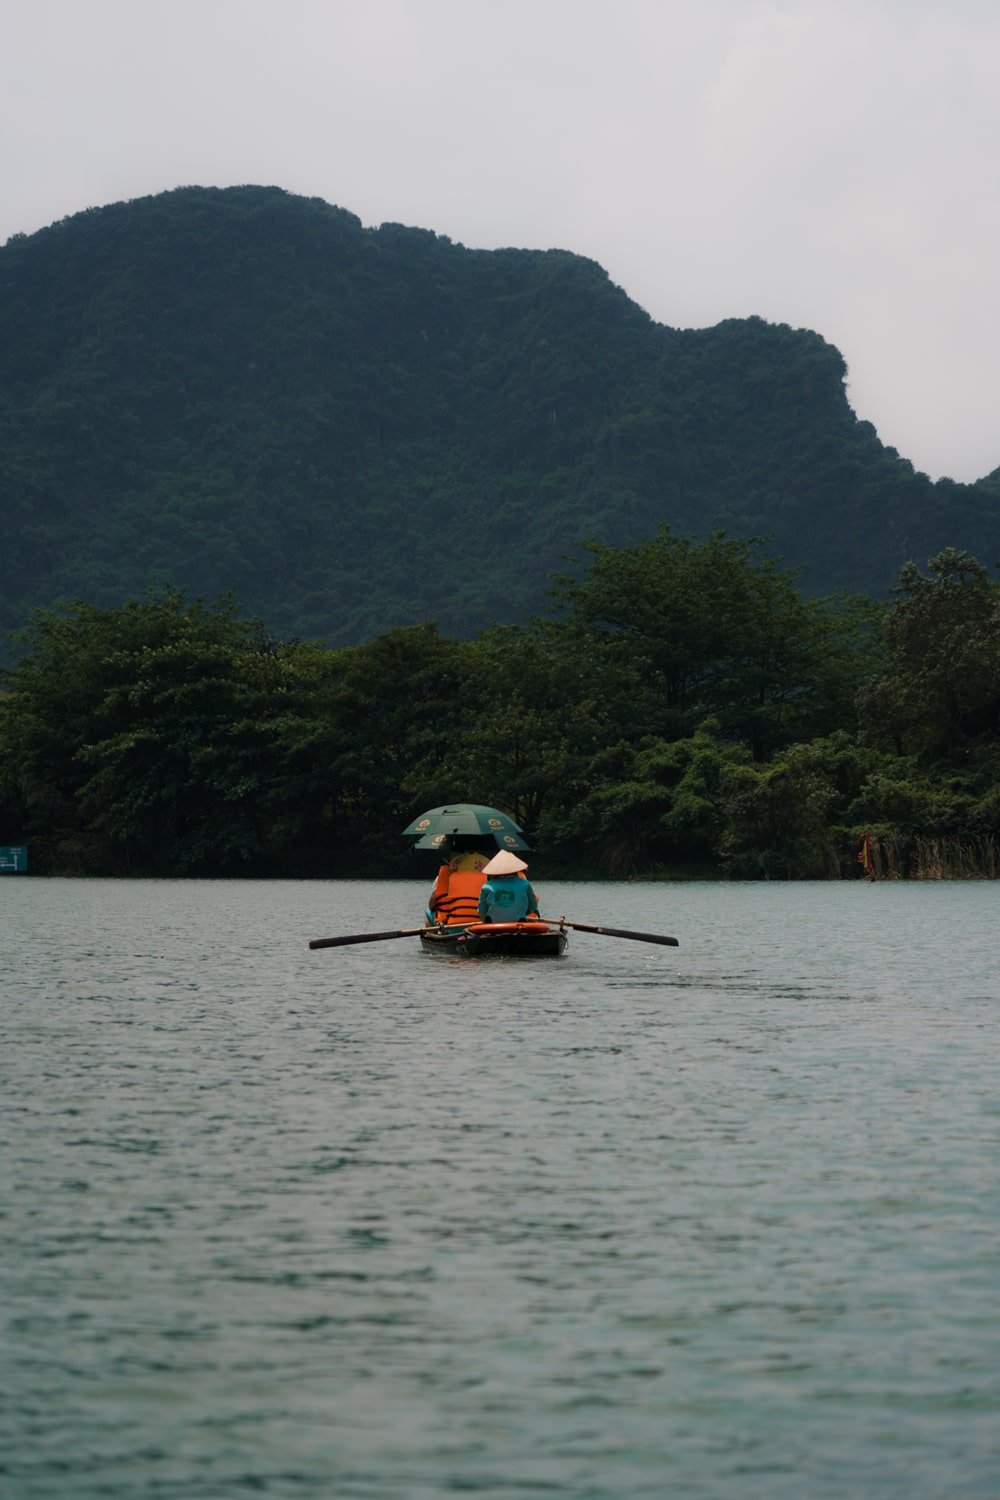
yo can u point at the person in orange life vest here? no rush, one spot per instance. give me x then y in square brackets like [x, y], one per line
[507, 894]
[454, 899]
[447, 848]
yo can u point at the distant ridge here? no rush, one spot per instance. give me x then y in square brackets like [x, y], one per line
[240, 389]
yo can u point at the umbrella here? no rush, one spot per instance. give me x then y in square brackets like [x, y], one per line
[467, 819]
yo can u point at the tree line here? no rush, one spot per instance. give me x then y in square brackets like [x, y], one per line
[681, 710]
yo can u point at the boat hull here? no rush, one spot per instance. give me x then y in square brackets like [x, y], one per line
[497, 940]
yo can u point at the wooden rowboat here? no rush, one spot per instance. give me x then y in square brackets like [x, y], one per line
[497, 940]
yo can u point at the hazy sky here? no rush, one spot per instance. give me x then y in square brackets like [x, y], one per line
[832, 164]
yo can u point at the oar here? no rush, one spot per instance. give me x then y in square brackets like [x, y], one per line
[637, 937]
[366, 937]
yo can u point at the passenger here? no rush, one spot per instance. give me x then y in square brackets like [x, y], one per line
[455, 895]
[447, 849]
[507, 895]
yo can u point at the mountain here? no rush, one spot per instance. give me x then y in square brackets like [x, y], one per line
[355, 428]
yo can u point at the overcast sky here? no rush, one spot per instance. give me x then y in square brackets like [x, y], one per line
[832, 164]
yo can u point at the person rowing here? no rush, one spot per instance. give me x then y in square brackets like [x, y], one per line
[507, 895]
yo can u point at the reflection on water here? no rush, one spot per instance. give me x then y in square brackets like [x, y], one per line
[711, 1221]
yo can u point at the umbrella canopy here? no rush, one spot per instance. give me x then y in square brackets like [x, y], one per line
[465, 819]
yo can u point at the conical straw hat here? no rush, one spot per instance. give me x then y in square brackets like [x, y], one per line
[504, 863]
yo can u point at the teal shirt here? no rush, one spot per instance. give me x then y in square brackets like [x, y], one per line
[506, 898]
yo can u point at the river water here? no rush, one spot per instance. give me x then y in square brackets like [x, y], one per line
[366, 1223]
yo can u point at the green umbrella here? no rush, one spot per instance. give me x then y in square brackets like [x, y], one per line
[465, 819]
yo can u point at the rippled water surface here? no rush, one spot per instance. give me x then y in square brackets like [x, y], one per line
[715, 1221]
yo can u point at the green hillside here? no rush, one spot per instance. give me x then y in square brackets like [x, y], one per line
[360, 428]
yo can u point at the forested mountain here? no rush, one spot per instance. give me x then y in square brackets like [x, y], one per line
[358, 428]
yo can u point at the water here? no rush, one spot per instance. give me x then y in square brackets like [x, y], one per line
[717, 1221]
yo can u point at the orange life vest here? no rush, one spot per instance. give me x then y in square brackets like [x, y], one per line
[455, 898]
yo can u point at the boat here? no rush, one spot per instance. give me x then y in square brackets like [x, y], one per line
[496, 940]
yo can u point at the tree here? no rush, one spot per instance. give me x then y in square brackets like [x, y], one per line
[397, 702]
[777, 823]
[697, 629]
[143, 738]
[940, 690]
[658, 805]
[531, 718]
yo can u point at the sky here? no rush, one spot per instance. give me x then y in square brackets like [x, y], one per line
[830, 164]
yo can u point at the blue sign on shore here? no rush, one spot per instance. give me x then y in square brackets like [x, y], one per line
[13, 859]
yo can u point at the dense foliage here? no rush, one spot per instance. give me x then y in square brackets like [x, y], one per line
[361, 428]
[684, 710]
